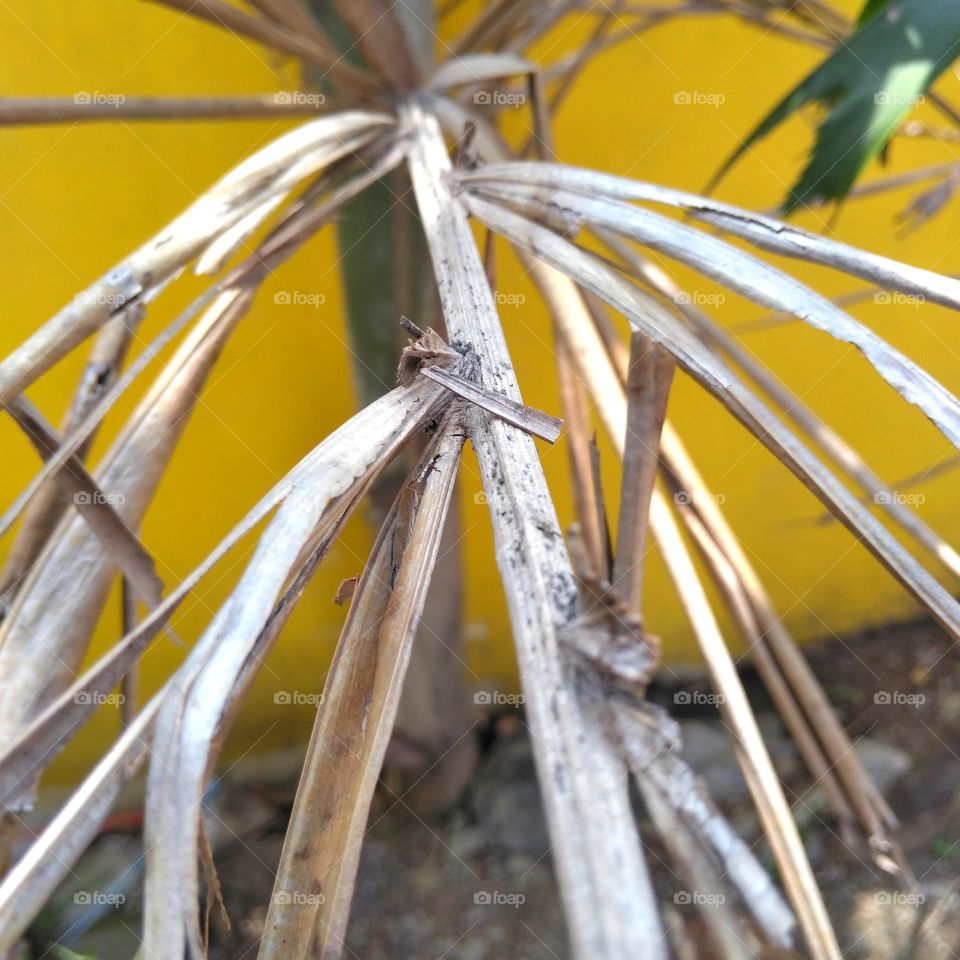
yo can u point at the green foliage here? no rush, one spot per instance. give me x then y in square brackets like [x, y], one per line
[869, 9]
[868, 85]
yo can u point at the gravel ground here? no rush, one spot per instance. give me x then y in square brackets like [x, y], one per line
[477, 883]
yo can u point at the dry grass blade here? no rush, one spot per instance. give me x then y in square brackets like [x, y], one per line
[313, 47]
[29, 884]
[575, 408]
[46, 634]
[380, 36]
[266, 173]
[648, 386]
[700, 362]
[758, 769]
[95, 506]
[534, 422]
[610, 906]
[99, 374]
[40, 110]
[835, 446]
[756, 280]
[476, 68]
[359, 707]
[205, 686]
[762, 231]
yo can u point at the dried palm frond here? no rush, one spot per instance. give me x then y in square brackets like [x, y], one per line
[575, 605]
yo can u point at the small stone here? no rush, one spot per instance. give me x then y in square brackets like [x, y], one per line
[948, 708]
[708, 748]
[466, 841]
[885, 922]
[885, 763]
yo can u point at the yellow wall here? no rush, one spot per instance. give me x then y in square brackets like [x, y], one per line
[74, 200]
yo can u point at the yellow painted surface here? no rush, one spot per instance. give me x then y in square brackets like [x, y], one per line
[74, 200]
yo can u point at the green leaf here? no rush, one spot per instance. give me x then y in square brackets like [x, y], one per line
[868, 86]
[869, 9]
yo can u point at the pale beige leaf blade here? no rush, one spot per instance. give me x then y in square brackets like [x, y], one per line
[762, 231]
[477, 68]
[607, 892]
[755, 280]
[533, 421]
[359, 706]
[345, 463]
[699, 361]
[227, 202]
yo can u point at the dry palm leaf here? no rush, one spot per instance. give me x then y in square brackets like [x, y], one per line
[704, 366]
[313, 891]
[604, 882]
[267, 173]
[584, 659]
[191, 717]
[50, 623]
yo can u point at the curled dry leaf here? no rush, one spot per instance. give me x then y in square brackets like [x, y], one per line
[203, 688]
[314, 145]
[658, 324]
[359, 707]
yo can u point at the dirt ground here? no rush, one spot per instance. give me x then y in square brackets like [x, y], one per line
[477, 884]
